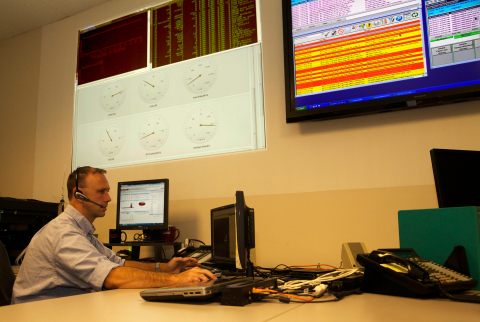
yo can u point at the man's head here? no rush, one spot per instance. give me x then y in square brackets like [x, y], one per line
[93, 184]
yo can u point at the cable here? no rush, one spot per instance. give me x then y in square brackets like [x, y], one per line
[260, 291]
[456, 298]
[317, 266]
[324, 278]
[197, 241]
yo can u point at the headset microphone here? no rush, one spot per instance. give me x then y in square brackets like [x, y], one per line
[81, 196]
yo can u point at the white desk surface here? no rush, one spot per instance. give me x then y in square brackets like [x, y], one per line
[127, 305]
[384, 308]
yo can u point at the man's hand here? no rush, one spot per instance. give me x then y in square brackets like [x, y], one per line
[178, 264]
[195, 275]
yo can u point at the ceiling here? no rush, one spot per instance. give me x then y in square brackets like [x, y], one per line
[19, 16]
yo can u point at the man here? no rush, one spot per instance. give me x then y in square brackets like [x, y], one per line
[64, 258]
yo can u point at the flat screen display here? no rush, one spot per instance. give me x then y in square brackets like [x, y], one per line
[112, 49]
[354, 57]
[142, 204]
[457, 174]
[223, 226]
[186, 29]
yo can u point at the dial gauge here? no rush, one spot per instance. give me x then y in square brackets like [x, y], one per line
[200, 76]
[153, 133]
[153, 86]
[201, 125]
[113, 96]
[111, 140]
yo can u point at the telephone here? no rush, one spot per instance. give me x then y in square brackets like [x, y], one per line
[201, 254]
[403, 272]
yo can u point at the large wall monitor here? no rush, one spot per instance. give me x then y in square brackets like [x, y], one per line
[190, 86]
[346, 58]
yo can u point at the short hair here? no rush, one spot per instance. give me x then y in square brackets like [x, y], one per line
[82, 173]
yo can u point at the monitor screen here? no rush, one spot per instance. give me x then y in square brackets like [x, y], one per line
[224, 241]
[233, 234]
[457, 174]
[355, 57]
[142, 204]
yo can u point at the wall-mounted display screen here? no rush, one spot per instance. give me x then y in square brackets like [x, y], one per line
[187, 29]
[207, 102]
[114, 48]
[354, 57]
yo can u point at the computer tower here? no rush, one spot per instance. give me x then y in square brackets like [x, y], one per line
[434, 233]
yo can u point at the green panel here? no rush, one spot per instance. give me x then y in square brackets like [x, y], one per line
[433, 233]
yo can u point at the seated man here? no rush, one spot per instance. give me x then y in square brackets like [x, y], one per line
[64, 258]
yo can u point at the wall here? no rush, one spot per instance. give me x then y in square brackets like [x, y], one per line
[19, 73]
[315, 186]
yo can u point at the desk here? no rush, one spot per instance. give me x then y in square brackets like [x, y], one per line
[127, 305]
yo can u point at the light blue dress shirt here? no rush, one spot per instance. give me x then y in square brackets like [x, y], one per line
[63, 259]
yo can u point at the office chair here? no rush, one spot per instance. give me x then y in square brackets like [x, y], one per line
[7, 277]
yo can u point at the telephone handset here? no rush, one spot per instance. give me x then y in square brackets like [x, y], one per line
[402, 272]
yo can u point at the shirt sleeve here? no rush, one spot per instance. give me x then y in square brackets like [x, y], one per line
[83, 263]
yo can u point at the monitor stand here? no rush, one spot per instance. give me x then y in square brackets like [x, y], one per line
[153, 235]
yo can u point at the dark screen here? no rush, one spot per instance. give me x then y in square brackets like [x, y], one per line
[113, 49]
[457, 177]
[224, 234]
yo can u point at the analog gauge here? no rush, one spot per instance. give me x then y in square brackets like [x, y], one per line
[111, 140]
[113, 96]
[200, 76]
[201, 125]
[153, 133]
[153, 86]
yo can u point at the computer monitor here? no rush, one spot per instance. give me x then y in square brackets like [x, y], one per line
[143, 205]
[349, 58]
[457, 177]
[233, 235]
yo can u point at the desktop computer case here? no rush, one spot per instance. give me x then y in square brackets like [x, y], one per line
[434, 233]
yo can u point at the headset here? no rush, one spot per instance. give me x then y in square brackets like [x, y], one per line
[79, 194]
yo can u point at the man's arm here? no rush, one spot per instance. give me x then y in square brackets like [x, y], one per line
[129, 277]
[140, 265]
[176, 265]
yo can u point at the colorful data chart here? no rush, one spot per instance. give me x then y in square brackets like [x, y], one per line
[376, 55]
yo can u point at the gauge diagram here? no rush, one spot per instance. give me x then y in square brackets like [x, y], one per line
[153, 133]
[200, 76]
[201, 125]
[112, 96]
[111, 140]
[153, 86]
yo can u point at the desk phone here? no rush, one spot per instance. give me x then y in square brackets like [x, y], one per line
[403, 272]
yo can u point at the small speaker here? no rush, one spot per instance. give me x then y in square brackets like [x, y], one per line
[349, 254]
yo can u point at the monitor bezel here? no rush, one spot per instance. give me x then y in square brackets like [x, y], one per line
[381, 105]
[144, 227]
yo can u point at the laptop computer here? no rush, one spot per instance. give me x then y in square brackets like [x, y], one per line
[191, 291]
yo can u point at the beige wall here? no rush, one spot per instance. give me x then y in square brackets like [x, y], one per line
[315, 186]
[19, 73]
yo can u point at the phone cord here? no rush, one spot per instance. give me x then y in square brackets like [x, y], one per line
[457, 298]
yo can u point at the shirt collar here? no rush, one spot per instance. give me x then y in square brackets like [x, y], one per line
[86, 226]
